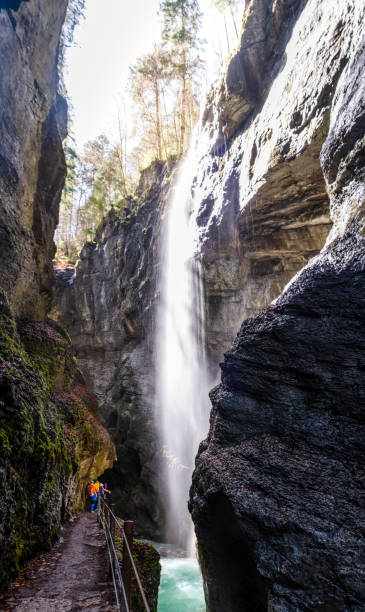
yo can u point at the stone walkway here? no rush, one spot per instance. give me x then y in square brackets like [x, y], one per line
[72, 576]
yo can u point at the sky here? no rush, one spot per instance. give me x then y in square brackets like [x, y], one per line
[106, 43]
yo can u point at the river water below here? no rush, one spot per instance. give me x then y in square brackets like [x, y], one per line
[181, 586]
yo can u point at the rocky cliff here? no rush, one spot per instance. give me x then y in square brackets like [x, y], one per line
[52, 437]
[109, 309]
[264, 208]
[33, 119]
[277, 495]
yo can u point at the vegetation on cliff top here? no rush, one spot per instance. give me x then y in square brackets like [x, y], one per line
[164, 87]
[156, 117]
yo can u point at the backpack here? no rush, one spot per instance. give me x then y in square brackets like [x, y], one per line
[91, 489]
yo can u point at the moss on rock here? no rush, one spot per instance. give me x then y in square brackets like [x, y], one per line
[147, 561]
[50, 440]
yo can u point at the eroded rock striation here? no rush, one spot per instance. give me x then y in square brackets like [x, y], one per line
[33, 119]
[109, 309]
[277, 496]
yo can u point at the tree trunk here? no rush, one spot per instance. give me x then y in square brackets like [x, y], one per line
[158, 120]
[183, 108]
[81, 195]
[227, 37]
[234, 21]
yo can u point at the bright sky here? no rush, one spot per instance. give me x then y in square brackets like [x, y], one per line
[107, 42]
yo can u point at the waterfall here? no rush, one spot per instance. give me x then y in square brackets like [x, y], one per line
[182, 407]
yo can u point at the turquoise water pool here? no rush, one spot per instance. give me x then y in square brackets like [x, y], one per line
[181, 588]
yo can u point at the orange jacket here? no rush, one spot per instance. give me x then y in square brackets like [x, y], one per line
[91, 489]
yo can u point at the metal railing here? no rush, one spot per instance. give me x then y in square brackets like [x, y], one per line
[121, 573]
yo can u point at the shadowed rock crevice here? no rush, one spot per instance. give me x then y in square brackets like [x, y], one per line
[227, 560]
[11, 4]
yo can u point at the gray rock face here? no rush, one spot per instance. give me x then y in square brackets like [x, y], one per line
[109, 311]
[266, 28]
[277, 496]
[264, 207]
[32, 167]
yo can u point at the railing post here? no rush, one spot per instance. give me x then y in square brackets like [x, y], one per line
[127, 565]
[112, 523]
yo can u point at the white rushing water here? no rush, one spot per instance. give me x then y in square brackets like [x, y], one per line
[182, 406]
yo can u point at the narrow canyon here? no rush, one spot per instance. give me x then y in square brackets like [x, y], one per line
[239, 421]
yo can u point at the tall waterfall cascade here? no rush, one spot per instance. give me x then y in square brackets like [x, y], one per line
[182, 402]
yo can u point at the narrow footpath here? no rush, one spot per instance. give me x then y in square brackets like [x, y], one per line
[72, 576]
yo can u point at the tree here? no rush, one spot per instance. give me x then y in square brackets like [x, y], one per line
[68, 194]
[181, 25]
[232, 6]
[149, 76]
[75, 12]
[95, 183]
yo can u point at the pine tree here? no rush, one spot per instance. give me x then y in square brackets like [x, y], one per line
[149, 76]
[181, 24]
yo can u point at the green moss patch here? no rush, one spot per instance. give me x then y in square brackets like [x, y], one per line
[147, 560]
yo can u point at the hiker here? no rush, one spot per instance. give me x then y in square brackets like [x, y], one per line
[97, 487]
[91, 491]
[103, 489]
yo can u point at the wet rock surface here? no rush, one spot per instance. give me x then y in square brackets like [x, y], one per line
[277, 496]
[109, 309]
[73, 576]
[33, 121]
[278, 481]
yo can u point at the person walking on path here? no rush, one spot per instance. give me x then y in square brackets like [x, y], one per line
[92, 493]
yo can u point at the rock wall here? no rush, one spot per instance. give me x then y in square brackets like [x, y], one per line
[52, 437]
[109, 309]
[277, 493]
[32, 167]
[149, 570]
[264, 207]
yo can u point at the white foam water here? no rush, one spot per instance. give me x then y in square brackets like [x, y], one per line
[182, 403]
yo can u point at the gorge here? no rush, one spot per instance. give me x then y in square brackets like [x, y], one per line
[249, 252]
